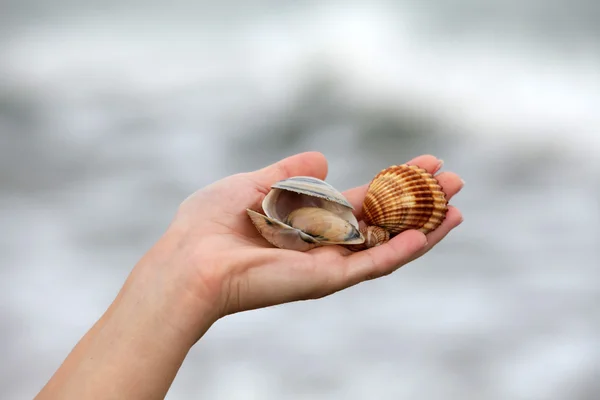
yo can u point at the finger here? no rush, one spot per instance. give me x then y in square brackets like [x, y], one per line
[357, 195]
[383, 260]
[304, 164]
[428, 162]
[367, 264]
[453, 219]
[451, 183]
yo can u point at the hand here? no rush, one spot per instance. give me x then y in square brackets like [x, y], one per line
[212, 262]
[232, 267]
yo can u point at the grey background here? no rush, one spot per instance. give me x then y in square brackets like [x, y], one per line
[111, 113]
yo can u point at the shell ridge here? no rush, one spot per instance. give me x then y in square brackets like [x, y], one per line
[308, 185]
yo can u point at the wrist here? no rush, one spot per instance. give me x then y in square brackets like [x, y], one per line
[161, 293]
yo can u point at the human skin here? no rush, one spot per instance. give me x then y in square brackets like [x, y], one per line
[211, 262]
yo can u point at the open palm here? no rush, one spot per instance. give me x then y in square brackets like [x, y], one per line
[240, 270]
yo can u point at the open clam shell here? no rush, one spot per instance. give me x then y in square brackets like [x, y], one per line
[306, 191]
[305, 212]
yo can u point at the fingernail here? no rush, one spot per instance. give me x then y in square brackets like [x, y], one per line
[440, 165]
[463, 182]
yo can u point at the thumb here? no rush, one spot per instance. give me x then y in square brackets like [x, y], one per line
[304, 164]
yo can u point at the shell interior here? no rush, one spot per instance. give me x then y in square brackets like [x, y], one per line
[325, 226]
[304, 191]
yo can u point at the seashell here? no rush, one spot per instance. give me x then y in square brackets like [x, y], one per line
[399, 198]
[303, 212]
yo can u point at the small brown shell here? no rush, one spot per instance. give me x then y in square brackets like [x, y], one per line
[374, 236]
[404, 197]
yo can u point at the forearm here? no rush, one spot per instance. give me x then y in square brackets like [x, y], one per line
[136, 348]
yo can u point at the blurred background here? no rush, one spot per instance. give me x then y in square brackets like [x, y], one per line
[112, 112]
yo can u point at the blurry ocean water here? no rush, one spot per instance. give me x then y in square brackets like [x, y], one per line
[112, 113]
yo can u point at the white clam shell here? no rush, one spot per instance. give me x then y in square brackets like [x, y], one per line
[313, 187]
[313, 192]
[302, 191]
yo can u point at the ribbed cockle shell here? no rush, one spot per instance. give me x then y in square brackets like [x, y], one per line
[399, 198]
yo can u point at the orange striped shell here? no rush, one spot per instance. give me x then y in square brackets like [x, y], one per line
[403, 197]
